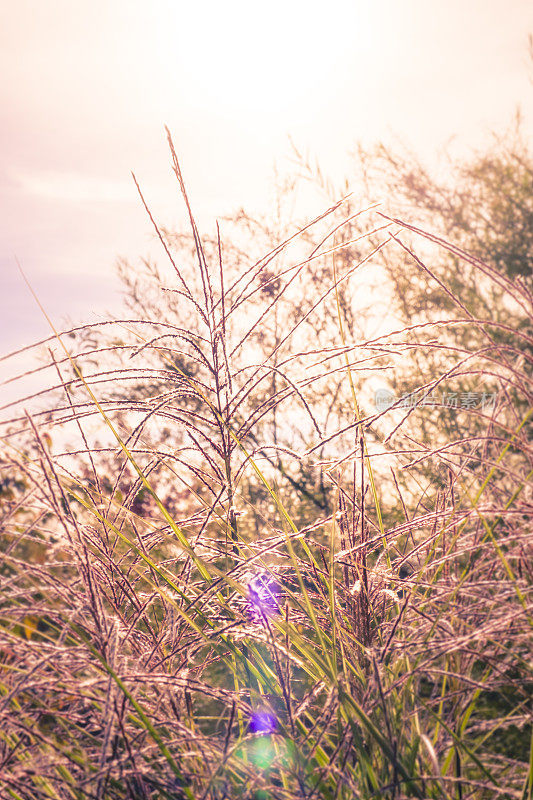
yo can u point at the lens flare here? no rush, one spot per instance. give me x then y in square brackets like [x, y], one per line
[262, 753]
[263, 597]
[263, 722]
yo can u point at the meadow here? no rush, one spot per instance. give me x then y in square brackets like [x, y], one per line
[265, 537]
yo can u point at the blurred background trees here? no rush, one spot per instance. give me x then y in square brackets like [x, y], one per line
[454, 385]
[453, 380]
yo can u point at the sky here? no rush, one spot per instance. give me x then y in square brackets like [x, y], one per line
[87, 87]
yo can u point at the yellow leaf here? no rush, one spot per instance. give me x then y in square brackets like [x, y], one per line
[30, 626]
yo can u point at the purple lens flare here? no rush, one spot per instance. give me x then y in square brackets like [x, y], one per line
[263, 722]
[263, 597]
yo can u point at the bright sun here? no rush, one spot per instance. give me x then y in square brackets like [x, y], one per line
[256, 56]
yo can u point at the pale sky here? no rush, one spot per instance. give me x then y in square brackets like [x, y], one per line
[87, 86]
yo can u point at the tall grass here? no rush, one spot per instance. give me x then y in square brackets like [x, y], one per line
[180, 620]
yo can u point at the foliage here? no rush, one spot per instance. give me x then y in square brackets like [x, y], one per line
[187, 628]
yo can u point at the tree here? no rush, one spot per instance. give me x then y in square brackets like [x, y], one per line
[461, 311]
[462, 293]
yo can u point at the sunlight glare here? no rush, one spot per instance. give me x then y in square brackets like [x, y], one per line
[258, 57]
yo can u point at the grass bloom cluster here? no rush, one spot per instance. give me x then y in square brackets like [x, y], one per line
[226, 574]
